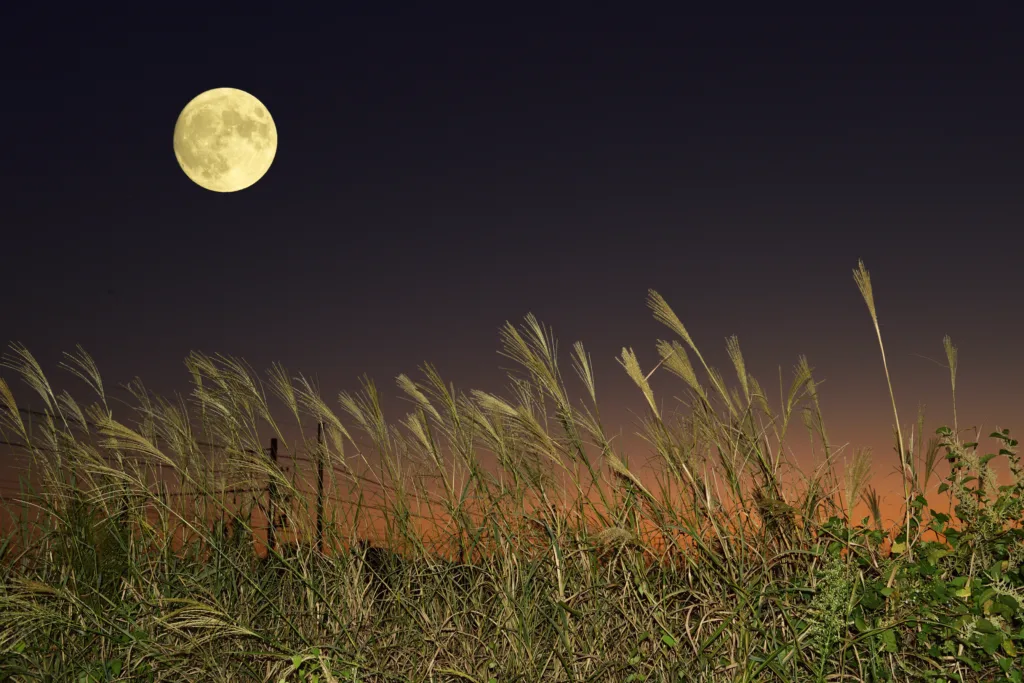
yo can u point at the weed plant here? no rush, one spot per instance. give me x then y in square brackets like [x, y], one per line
[132, 559]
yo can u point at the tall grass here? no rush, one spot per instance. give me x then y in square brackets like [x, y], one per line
[139, 563]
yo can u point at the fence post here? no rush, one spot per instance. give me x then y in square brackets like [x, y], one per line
[272, 494]
[321, 447]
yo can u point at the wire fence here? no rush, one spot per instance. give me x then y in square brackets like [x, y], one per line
[275, 509]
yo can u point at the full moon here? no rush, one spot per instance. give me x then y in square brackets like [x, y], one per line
[225, 140]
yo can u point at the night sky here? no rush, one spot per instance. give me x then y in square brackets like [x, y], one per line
[439, 176]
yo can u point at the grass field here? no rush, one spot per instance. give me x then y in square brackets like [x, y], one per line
[720, 573]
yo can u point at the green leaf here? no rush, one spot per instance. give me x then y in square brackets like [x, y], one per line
[991, 642]
[871, 601]
[889, 640]
[986, 626]
[1010, 602]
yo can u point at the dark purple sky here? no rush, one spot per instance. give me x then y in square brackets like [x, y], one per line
[437, 176]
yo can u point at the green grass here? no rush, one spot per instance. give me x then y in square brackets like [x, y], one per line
[717, 574]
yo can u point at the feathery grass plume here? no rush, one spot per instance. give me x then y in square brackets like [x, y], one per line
[489, 433]
[450, 420]
[527, 397]
[281, 385]
[144, 408]
[444, 395]
[737, 399]
[10, 414]
[413, 390]
[490, 429]
[863, 280]
[223, 406]
[913, 449]
[632, 366]
[801, 377]
[120, 437]
[931, 460]
[947, 344]
[494, 404]
[759, 396]
[364, 407]
[812, 391]
[248, 391]
[858, 473]
[174, 428]
[537, 352]
[537, 439]
[719, 382]
[673, 355]
[547, 382]
[530, 438]
[664, 314]
[308, 397]
[732, 345]
[425, 443]
[619, 468]
[21, 361]
[84, 367]
[585, 369]
[815, 421]
[870, 497]
[416, 423]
